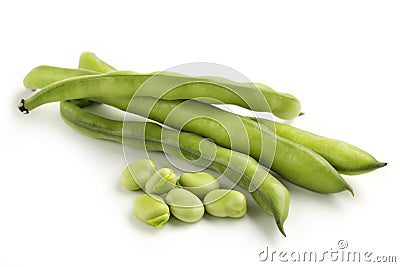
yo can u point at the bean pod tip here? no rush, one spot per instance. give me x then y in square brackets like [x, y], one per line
[280, 227]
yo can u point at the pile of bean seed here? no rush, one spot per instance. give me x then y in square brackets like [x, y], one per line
[181, 120]
[186, 198]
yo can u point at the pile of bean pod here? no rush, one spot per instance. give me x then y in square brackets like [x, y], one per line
[182, 120]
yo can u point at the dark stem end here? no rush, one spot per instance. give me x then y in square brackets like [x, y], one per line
[22, 108]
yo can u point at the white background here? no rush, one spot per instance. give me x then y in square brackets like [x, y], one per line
[60, 200]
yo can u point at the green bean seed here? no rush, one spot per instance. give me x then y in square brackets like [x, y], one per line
[225, 203]
[135, 176]
[162, 181]
[199, 183]
[271, 195]
[151, 209]
[185, 205]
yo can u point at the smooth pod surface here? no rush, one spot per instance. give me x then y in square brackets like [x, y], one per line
[90, 61]
[185, 205]
[319, 176]
[151, 209]
[161, 181]
[44, 75]
[199, 183]
[294, 162]
[135, 176]
[344, 157]
[168, 86]
[225, 203]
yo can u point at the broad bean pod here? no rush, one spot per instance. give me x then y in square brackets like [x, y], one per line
[344, 157]
[44, 75]
[294, 162]
[91, 62]
[41, 76]
[289, 159]
[164, 85]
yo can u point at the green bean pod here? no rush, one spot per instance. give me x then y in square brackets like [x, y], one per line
[294, 162]
[90, 61]
[344, 157]
[44, 75]
[167, 86]
[270, 195]
[94, 60]
[320, 176]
